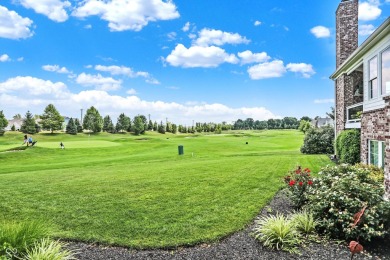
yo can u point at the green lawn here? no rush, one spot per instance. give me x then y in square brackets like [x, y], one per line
[137, 191]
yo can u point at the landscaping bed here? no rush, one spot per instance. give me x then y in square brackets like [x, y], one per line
[240, 245]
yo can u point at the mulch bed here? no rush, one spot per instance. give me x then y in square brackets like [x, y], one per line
[240, 245]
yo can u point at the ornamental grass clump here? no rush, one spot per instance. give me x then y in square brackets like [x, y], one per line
[304, 222]
[47, 249]
[339, 193]
[299, 183]
[278, 232]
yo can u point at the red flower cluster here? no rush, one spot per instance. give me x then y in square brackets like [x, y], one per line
[291, 183]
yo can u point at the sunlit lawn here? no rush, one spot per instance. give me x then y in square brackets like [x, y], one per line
[137, 191]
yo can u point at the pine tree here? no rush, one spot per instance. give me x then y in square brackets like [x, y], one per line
[51, 119]
[71, 127]
[13, 128]
[123, 123]
[3, 123]
[155, 126]
[161, 128]
[93, 121]
[28, 125]
[108, 126]
[78, 125]
[138, 126]
[150, 125]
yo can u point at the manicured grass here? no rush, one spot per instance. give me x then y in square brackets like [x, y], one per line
[137, 191]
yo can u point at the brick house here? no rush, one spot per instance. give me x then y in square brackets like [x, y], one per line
[362, 86]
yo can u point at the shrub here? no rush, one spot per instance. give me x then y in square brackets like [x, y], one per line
[48, 250]
[319, 141]
[348, 146]
[304, 222]
[277, 232]
[299, 182]
[16, 237]
[375, 172]
[341, 192]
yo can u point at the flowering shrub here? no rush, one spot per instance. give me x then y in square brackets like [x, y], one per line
[299, 182]
[339, 193]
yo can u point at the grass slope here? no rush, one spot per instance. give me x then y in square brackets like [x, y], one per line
[138, 192]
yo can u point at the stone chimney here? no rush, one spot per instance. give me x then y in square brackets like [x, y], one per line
[346, 29]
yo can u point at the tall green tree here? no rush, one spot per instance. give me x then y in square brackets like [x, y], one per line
[78, 125]
[138, 126]
[17, 116]
[51, 119]
[108, 126]
[93, 120]
[3, 123]
[161, 128]
[71, 127]
[29, 125]
[150, 125]
[123, 123]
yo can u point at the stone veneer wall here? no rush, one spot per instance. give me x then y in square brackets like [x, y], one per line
[376, 126]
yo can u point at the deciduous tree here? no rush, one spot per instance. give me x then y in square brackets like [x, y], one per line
[51, 119]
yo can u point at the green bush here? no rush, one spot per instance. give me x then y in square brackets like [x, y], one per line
[304, 222]
[17, 237]
[348, 146]
[46, 249]
[342, 191]
[298, 183]
[319, 141]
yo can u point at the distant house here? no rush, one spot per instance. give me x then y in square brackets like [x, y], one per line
[65, 123]
[16, 122]
[320, 122]
[362, 81]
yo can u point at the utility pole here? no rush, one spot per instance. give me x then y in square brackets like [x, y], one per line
[81, 118]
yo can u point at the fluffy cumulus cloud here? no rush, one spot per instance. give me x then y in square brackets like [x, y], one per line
[14, 26]
[366, 29]
[369, 10]
[4, 58]
[250, 57]
[98, 82]
[209, 37]
[306, 70]
[123, 15]
[320, 31]
[55, 68]
[54, 9]
[199, 56]
[257, 23]
[186, 27]
[37, 94]
[273, 69]
[126, 71]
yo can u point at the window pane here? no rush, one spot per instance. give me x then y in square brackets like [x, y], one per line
[374, 152]
[386, 71]
[374, 88]
[373, 64]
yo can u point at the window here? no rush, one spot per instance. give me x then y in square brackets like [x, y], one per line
[377, 153]
[373, 77]
[385, 71]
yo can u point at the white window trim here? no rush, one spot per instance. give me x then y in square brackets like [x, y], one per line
[381, 147]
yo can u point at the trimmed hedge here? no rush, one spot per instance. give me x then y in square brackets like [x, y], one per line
[319, 141]
[348, 146]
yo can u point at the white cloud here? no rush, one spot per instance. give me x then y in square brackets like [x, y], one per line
[198, 56]
[186, 27]
[126, 71]
[4, 58]
[257, 23]
[306, 70]
[127, 15]
[366, 29]
[53, 9]
[273, 69]
[324, 101]
[55, 68]
[131, 92]
[172, 36]
[209, 37]
[88, 26]
[369, 11]
[20, 59]
[98, 81]
[249, 57]
[13, 26]
[320, 31]
[39, 93]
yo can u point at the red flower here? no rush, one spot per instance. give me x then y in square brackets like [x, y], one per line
[310, 182]
[298, 171]
[291, 183]
[307, 170]
[300, 183]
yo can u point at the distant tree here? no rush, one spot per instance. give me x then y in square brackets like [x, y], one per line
[51, 119]
[161, 128]
[78, 125]
[249, 122]
[150, 125]
[71, 127]
[218, 129]
[28, 125]
[271, 124]
[331, 114]
[290, 123]
[155, 126]
[3, 123]
[168, 127]
[17, 116]
[92, 120]
[108, 126]
[174, 128]
[13, 128]
[305, 118]
[123, 123]
[138, 125]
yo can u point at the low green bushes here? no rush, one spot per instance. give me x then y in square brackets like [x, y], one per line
[348, 146]
[319, 141]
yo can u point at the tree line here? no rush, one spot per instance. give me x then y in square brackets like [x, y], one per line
[51, 120]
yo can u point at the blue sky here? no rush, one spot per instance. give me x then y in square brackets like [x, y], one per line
[185, 60]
